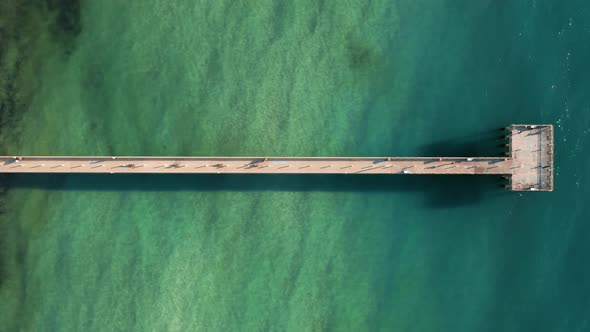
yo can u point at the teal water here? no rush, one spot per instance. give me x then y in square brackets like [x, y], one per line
[318, 78]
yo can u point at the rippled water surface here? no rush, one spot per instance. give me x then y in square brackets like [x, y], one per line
[302, 78]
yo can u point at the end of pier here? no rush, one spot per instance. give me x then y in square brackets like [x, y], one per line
[531, 152]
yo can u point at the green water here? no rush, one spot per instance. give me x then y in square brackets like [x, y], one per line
[299, 253]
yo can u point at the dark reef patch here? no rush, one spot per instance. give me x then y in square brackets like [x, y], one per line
[68, 15]
[369, 65]
[360, 56]
[67, 23]
[29, 31]
[284, 11]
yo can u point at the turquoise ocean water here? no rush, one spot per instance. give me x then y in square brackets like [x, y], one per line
[297, 253]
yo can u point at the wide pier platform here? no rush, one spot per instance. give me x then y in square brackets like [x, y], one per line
[531, 152]
[528, 163]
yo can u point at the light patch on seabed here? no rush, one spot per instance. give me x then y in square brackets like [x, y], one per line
[301, 78]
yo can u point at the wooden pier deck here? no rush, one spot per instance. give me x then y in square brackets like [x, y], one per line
[531, 150]
[525, 164]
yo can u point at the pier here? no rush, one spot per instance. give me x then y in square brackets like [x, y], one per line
[528, 163]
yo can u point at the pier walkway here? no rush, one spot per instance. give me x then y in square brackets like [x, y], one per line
[529, 163]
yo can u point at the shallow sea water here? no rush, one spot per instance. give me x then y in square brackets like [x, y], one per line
[302, 78]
